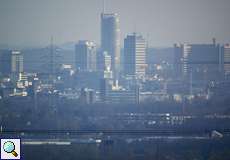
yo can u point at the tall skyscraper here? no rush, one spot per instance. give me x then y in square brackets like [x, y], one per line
[110, 38]
[177, 60]
[135, 55]
[11, 62]
[85, 52]
[16, 62]
[5, 62]
[186, 54]
[226, 59]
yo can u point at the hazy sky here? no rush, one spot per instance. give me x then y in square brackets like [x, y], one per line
[33, 22]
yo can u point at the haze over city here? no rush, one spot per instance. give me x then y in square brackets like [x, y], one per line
[115, 79]
[163, 22]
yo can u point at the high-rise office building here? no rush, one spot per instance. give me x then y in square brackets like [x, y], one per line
[85, 52]
[135, 55]
[186, 54]
[104, 61]
[11, 62]
[226, 59]
[199, 61]
[110, 39]
[177, 60]
[16, 62]
[5, 62]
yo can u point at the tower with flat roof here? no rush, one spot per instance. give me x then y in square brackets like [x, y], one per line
[135, 55]
[110, 38]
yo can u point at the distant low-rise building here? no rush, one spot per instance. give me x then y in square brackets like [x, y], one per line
[88, 96]
[111, 93]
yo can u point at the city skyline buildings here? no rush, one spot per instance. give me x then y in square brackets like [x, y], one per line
[160, 20]
[199, 61]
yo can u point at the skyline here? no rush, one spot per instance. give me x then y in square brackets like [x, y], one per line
[34, 28]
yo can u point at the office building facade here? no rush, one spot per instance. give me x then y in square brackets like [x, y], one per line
[199, 62]
[85, 56]
[135, 55]
[110, 39]
[104, 61]
[177, 60]
[226, 59]
[115, 94]
[16, 62]
[11, 62]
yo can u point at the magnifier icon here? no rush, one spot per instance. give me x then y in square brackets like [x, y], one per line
[9, 147]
